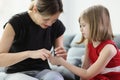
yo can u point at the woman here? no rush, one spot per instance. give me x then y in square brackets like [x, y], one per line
[27, 39]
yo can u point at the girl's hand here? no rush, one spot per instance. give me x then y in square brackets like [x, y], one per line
[42, 53]
[55, 60]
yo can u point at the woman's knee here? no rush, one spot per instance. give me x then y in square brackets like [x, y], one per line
[19, 76]
[52, 75]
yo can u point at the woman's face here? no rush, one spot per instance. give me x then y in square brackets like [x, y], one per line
[45, 21]
[84, 28]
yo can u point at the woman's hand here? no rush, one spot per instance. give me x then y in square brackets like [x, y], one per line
[42, 53]
[61, 52]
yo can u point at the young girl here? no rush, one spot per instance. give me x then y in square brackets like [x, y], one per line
[102, 57]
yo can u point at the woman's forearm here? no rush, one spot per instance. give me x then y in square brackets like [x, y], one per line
[8, 59]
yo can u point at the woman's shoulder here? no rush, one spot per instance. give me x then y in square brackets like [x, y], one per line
[19, 17]
[58, 22]
[20, 14]
[58, 25]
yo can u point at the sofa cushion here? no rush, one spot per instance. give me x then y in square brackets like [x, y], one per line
[76, 39]
[117, 40]
[3, 75]
[74, 55]
[67, 40]
[2, 69]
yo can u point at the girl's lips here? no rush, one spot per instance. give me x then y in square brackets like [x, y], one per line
[83, 33]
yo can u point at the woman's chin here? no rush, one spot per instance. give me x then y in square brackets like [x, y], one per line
[44, 27]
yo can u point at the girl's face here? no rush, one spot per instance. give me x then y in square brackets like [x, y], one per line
[84, 28]
[45, 21]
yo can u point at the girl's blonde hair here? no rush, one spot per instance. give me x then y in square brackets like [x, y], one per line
[99, 23]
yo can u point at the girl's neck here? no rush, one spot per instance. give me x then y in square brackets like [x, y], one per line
[95, 43]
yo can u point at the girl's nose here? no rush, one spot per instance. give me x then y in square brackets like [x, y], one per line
[81, 29]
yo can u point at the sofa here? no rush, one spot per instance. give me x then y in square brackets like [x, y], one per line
[75, 55]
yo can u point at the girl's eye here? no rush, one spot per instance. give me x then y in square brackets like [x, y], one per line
[83, 25]
[80, 26]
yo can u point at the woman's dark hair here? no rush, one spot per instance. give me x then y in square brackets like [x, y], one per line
[49, 7]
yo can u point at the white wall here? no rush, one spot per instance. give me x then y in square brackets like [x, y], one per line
[10, 7]
[73, 8]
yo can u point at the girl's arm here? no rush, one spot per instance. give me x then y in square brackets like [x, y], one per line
[108, 52]
[86, 61]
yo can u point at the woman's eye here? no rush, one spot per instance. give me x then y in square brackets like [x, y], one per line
[46, 19]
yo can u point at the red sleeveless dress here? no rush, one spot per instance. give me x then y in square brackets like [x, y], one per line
[115, 61]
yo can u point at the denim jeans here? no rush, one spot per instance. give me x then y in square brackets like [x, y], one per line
[35, 75]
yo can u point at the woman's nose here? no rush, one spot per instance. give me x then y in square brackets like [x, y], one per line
[49, 23]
